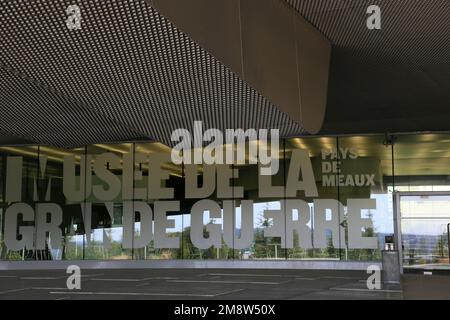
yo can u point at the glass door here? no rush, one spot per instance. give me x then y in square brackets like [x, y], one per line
[424, 221]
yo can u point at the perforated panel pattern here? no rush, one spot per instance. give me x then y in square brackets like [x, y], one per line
[127, 73]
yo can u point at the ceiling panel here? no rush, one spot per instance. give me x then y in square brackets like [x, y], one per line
[396, 79]
[127, 74]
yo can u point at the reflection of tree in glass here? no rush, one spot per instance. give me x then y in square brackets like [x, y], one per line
[365, 254]
[440, 250]
[263, 248]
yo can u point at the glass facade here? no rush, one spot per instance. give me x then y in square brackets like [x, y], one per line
[129, 201]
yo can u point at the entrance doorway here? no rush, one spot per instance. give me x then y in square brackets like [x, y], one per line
[423, 219]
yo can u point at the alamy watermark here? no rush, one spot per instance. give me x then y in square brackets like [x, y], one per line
[373, 282]
[374, 20]
[73, 21]
[229, 147]
[74, 280]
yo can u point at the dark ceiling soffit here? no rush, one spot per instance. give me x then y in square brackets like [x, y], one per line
[395, 79]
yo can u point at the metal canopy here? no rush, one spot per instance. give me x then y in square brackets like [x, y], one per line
[127, 74]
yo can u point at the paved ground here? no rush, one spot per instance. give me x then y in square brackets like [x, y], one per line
[419, 286]
[192, 284]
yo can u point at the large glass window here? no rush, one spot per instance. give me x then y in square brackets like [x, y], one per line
[422, 169]
[20, 194]
[422, 162]
[366, 169]
[2, 202]
[315, 214]
[55, 182]
[104, 208]
[156, 181]
[259, 214]
[330, 199]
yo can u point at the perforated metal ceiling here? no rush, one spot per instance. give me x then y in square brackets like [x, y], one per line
[127, 74]
[130, 74]
[396, 79]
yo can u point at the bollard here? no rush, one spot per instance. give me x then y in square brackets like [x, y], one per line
[391, 267]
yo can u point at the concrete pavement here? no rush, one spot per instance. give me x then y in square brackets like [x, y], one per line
[192, 284]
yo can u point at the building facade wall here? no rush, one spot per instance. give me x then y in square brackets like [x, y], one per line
[90, 194]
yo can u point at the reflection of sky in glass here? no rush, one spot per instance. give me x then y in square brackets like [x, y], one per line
[383, 216]
[433, 227]
[115, 234]
[178, 223]
[258, 211]
[206, 219]
[425, 206]
[415, 211]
